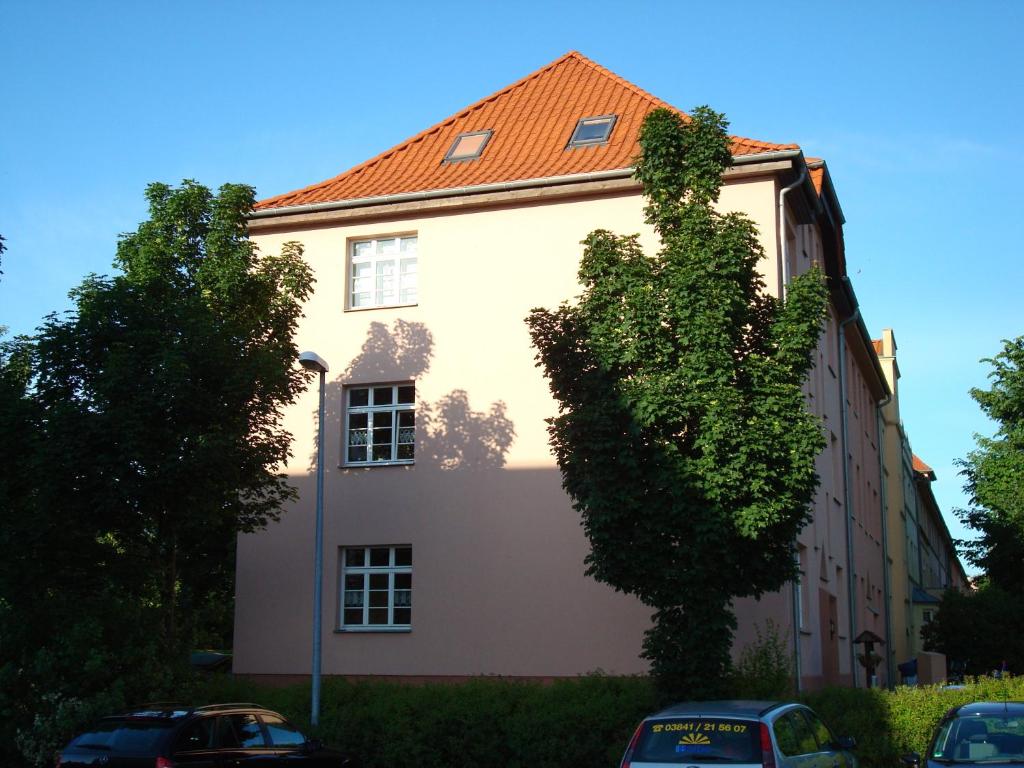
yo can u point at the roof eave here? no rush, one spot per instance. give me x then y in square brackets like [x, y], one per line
[503, 186]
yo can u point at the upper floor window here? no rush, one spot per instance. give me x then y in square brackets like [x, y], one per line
[468, 146]
[380, 424]
[382, 272]
[591, 131]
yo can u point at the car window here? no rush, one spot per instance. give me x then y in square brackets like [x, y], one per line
[826, 740]
[282, 733]
[698, 739]
[125, 736]
[247, 729]
[196, 735]
[793, 735]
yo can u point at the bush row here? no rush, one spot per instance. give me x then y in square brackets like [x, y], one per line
[585, 722]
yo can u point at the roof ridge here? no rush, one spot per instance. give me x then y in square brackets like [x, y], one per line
[623, 81]
[356, 169]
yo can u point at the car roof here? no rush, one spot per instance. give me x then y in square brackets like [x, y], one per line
[728, 708]
[174, 711]
[989, 708]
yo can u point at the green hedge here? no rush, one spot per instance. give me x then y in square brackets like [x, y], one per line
[585, 722]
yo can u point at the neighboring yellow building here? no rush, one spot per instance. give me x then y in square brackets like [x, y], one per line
[922, 560]
[451, 549]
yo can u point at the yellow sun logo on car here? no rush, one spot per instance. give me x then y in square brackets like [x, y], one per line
[695, 738]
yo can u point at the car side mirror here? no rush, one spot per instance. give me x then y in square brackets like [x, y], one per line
[313, 745]
[846, 742]
[911, 759]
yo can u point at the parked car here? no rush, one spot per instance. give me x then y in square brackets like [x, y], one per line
[753, 734]
[214, 736]
[972, 734]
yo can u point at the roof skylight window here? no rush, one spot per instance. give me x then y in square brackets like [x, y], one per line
[468, 146]
[592, 131]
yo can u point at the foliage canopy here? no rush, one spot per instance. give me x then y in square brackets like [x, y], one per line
[683, 436]
[141, 432]
[994, 475]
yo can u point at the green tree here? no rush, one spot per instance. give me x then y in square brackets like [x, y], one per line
[141, 432]
[683, 436]
[994, 475]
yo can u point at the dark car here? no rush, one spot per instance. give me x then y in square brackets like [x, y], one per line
[984, 732]
[214, 736]
[741, 734]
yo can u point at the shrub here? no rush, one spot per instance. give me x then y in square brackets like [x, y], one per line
[765, 667]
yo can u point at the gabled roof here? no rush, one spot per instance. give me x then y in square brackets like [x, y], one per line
[532, 121]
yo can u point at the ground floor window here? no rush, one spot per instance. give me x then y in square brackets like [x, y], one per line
[376, 588]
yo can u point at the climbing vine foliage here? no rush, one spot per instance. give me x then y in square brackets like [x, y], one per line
[682, 435]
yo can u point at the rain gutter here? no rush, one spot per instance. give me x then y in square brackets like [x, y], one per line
[504, 186]
[851, 583]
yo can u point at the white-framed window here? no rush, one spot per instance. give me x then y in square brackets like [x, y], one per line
[376, 588]
[380, 424]
[382, 272]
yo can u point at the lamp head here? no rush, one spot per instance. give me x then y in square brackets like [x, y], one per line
[311, 361]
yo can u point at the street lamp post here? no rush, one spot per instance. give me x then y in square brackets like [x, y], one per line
[313, 362]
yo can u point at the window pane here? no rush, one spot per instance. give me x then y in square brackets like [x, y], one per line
[353, 616]
[354, 599]
[362, 300]
[380, 557]
[248, 730]
[357, 420]
[356, 454]
[354, 557]
[361, 270]
[379, 599]
[387, 247]
[358, 436]
[379, 581]
[378, 616]
[403, 555]
[354, 581]
[405, 452]
[407, 394]
[362, 250]
[357, 398]
[382, 436]
[384, 396]
[403, 616]
[409, 245]
[283, 734]
[382, 452]
[403, 581]
[403, 598]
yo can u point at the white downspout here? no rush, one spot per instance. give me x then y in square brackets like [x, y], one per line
[783, 240]
[783, 249]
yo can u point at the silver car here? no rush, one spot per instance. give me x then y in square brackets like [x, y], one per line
[752, 734]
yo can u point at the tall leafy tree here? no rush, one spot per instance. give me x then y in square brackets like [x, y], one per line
[683, 437]
[141, 432]
[994, 474]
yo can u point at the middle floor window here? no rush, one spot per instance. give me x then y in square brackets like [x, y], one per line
[380, 424]
[382, 272]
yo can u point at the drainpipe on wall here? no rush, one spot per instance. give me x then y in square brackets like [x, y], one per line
[880, 421]
[783, 240]
[847, 491]
[798, 672]
[783, 249]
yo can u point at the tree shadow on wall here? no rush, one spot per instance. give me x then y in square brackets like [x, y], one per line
[450, 435]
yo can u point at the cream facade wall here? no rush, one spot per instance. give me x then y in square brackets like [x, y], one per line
[497, 551]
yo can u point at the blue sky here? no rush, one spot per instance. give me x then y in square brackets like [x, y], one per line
[916, 106]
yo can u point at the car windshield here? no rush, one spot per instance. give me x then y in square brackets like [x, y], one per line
[698, 740]
[124, 736]
[980, 739]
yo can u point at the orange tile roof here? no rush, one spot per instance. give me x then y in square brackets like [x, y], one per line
[532, 120]
[816, 169]
[920, 466]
